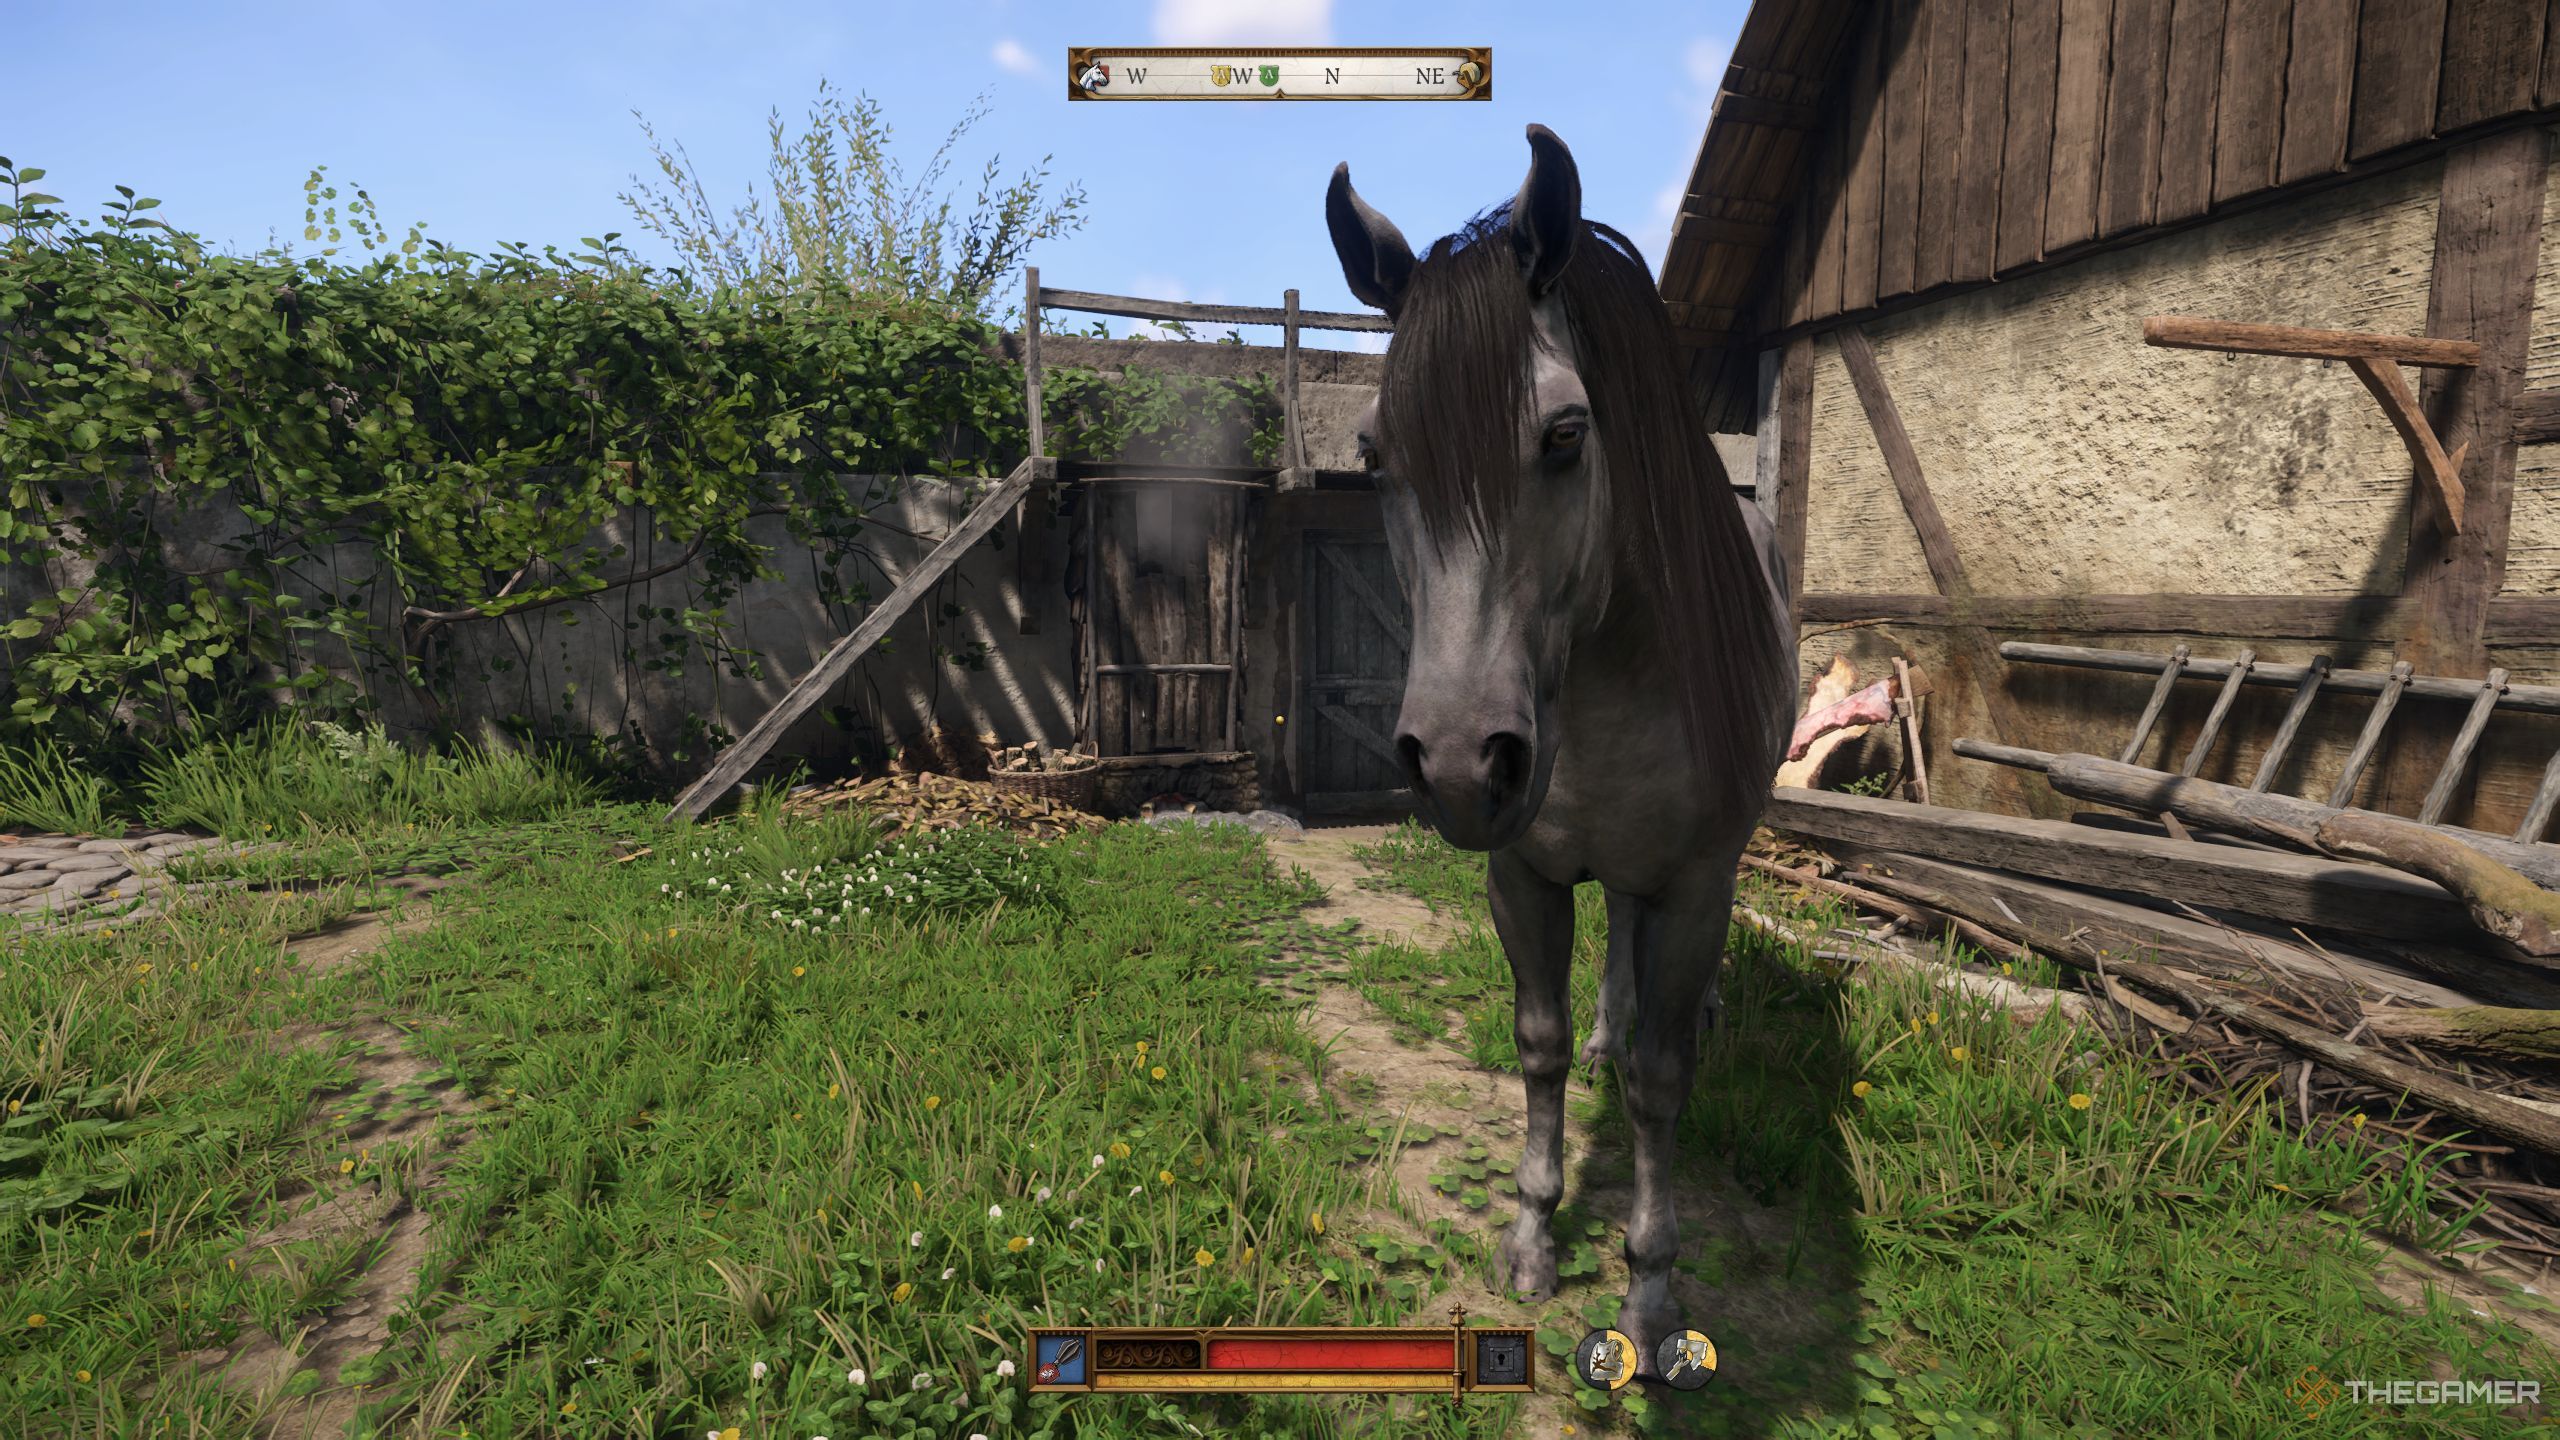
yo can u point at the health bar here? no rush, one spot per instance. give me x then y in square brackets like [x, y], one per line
[1441, 1360]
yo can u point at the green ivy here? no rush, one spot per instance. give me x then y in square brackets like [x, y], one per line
[464, 423]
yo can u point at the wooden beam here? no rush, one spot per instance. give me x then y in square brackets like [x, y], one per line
[2380, 618]
[2439, 474]
[733, 763]
[2536, 417]
[2296, 889]
[1795, 450]
[2189, 332]
[1723, 230]
[1737, 109]
[1937, 546]
[2488, 246]
[1137, 307]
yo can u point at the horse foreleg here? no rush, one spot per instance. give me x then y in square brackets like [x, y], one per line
[1617, 986]
[1534, 918]
[1678, 952]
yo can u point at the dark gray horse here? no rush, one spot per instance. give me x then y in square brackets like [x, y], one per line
[1602, 680]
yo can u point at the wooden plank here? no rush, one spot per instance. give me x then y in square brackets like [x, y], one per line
[1902, 462]
[1390, 618]
[1942, 184]
[2492, 60]
[2231, 683]
[2079, 123]
[2189, 332]
[2125, 926]
[1293, 447]
[1359, 733]
[2318, 82]
[2169, 673]
[1865, 202]
[2313, 674]
[2393, 686]
[2187, 118]
[2488, 244]
[732, 764]
[2536, 417]
[2297, 889]
[2379, 618]
[1137, 307]
[2035, 37]
[2521, 620]
[2458, 759]
[2547, 91]
[1906, 108]
[1795, 449]
[2137, 83]
[1734, 108]
[2400, 48]
[1830, 193]
[2248, 126]
[1986, 103]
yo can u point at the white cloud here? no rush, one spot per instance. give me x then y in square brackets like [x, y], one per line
[1221, 22]
[1010, 55]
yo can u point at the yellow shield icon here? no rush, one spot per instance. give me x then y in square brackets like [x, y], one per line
[1220, 74]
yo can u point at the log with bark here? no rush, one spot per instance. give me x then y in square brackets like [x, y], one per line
[2489, 1032]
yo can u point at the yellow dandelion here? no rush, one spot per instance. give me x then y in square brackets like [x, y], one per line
[1316, 1220]
[2279, 1185]
[257, 969]
[80, 1375]
[795, 1114]
[1164, 1177]
[233, 1263]
[1958, 1054]
[142, 969]
[1247, 1257]
[1157, 1073]
[13, 1109]
[1119, 1150]
[1915, 1024]
[1933, 1017]
[2007, 969]
[933, 1102]
[1142, 1049]
[834, 1090]
[2356, 1121]
[1018, 1244]
[1203, 1259]
[904, 1290]
[918, 1187]
[35, 1322]
[569, 1409]
[729, 1434]
[2079, 1101]
[345, 1165]
[1862, 1089]
[799, 969]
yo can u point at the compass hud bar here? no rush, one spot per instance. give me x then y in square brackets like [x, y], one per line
[1235, 1360]
[1448, 72]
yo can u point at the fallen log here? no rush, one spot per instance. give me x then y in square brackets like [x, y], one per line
[2501, 900]
[2488, 1032]
[2295, 889]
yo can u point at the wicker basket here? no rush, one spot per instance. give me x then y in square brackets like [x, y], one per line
[1068, 787]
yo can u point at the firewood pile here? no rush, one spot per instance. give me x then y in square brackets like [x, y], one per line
[1033, 758]
[914, 804]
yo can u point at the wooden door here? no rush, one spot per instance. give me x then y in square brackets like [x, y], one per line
[1358, 639]
[1169, 566]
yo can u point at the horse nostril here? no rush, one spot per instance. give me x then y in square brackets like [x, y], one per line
[1506, 768]
[1409, 755]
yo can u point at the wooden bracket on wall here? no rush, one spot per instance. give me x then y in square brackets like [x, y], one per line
[2376, 359]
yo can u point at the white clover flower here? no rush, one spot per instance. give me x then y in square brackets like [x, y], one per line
[1136, 1190]
[995, 1212]
[1041, 1195]
[857, 1376]
[922, 1380]
[1005, 1368]
[1097, 1162]
[1097, 1267]
[1076, 1224]
[949, 1271]
[1070, 1196]
[756, 1371]
[915, 1238]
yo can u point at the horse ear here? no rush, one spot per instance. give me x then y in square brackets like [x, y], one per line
[1375, 258]
[1547, 215]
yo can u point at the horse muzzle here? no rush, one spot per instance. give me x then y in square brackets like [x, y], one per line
[1479, 794]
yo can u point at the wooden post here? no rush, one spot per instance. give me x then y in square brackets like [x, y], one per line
[1908, 706]
[1293, 449]
[1031, 359]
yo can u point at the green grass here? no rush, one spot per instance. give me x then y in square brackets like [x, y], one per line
[2146, 1265]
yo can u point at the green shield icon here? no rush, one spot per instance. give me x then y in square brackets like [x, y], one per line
[1270, 74]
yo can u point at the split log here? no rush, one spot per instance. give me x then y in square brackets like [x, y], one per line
[1805, 761]
[2295, 889]
[2489, 1032]
[2499, 881]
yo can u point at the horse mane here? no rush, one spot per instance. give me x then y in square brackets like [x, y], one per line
[1454, 388]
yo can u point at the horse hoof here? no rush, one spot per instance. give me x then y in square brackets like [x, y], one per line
[1646, 1329]
[1602, 1046]
[1531, 1266]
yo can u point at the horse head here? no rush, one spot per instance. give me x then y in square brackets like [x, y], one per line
[1492, 481]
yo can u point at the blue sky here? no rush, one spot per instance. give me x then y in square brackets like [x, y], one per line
[514, 122]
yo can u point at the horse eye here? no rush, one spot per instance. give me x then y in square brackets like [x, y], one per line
[1370, 461]
[1565, 435]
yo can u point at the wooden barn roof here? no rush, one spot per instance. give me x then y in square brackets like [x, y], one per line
[1865, 152]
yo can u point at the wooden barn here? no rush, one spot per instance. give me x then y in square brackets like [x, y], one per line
[1998, 285]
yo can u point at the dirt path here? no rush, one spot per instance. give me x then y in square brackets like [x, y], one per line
[1443, 1102]
[357, 1215]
